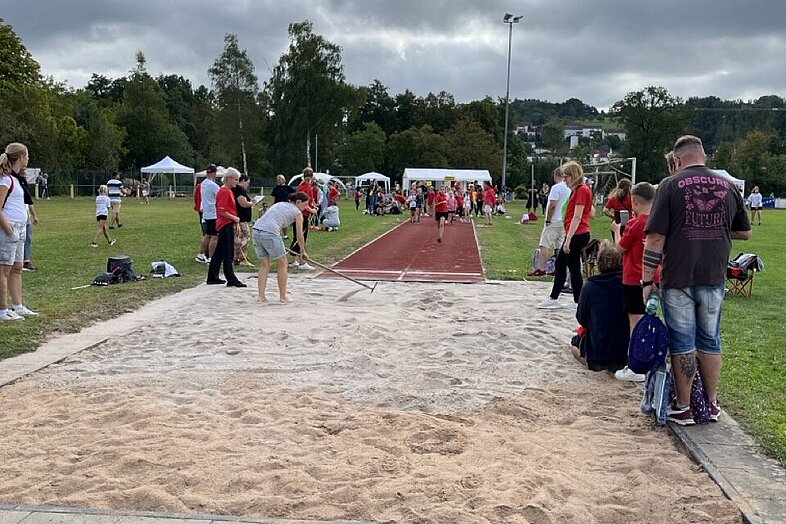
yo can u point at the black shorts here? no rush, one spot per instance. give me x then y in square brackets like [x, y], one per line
[210, 227]
[99, 218]
[440, 214]
[633, 302]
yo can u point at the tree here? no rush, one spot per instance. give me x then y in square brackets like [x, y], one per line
[17, 65]
[469, 146]
[416, 147]
[653, 120]
[364, 150]
[306, 96]
[554, 135]
[375, 105]
[236, 88]
[488, 114]
[143, 114]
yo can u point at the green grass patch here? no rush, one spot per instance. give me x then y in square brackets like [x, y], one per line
[753, 388]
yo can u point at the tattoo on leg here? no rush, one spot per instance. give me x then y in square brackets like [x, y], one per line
[688, 365]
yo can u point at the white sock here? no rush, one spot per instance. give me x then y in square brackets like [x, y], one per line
[17, 306]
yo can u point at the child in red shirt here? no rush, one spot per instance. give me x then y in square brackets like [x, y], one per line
[631, 241]
[441, 210]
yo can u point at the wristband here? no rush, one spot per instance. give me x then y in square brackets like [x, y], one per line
[646, 283]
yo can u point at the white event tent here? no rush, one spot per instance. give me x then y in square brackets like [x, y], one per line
[322, 177]
[736, 181]
[441, 175]
[167, 165]
[373, 175]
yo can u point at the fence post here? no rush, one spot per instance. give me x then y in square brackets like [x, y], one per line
[71, 190]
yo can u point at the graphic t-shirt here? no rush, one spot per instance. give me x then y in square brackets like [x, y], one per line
[696, 210]
[632, 241]
[102, 205]
[581, 196]
[755, 200]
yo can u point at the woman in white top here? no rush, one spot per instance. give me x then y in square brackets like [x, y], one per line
[102, 212]
[755, 202]
[270, 246]
[13, 221]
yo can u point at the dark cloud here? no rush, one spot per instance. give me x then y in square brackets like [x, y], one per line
[596, 51]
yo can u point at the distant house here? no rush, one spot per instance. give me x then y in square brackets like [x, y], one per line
[580, 130]
[528, 132]
[619, 133]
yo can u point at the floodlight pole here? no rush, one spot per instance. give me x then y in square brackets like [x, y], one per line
[510, 20]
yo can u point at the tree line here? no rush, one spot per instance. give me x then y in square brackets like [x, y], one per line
[306, 113]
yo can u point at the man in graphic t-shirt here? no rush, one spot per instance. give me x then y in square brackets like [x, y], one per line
[694, 217]
[553, 234]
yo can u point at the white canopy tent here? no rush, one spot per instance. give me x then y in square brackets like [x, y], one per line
[440, 175]
[167, 165]
[373, 176]
[322, 177]
[202, 174]
[736, 181]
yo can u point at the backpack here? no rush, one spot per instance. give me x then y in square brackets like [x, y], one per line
[649, 341]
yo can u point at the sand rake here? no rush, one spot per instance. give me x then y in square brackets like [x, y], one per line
[345, 296]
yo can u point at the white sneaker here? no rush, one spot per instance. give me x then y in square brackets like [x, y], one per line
[627, 374]
[22, 311]
[201, 258]
[549, 303]
[570, 305]
[9, 315]
[294, 265]
[306, 266]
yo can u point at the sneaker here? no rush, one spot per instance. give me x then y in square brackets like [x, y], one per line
[306, 266]
[93, 244]
[715, 411]
[201, 258]
[285, 237]
[9, 315]
[22, 311]
[629, 375]
[29, 266]
[112, 242]
[295, 265]
[570, 305]
[549, 303]
[682, 417]
[536, 273]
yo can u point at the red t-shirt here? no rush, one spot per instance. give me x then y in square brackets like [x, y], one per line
[333, 195]
[431, 196]
[441, 203]
[198, 198]
[616, 204]
[225, 201]
[581, 196]
[489, 196]
[632, 241]
[308, 189]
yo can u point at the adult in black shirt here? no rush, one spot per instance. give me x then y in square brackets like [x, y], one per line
[280, 193]
[243, 227]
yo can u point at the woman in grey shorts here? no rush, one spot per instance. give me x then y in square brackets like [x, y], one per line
[13, 221]
[269, 244]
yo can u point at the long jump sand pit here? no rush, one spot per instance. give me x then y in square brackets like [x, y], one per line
[430, 403]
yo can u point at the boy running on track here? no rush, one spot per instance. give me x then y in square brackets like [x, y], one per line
[441, 210]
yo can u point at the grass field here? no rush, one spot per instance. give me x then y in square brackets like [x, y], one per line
[753, 387]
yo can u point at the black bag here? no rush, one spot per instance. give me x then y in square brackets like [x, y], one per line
[122, 268]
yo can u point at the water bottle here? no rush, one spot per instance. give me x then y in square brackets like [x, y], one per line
[652, 304]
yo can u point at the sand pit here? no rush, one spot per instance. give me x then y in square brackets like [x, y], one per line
[432, 403]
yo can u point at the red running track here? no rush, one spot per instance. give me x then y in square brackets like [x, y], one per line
[410, 253]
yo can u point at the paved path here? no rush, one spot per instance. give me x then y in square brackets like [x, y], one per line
[754, 482]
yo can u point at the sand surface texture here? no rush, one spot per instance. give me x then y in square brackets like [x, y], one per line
[429, 403]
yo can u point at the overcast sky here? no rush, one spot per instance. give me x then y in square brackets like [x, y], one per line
[595, 50]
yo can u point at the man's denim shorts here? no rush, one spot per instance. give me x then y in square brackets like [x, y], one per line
[268, 245]
[692, 316]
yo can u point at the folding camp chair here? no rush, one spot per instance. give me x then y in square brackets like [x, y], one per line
[589, 256]
[740, 273]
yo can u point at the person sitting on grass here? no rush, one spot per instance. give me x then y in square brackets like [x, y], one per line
[270, 246]
[102, 213]
[601, 312]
